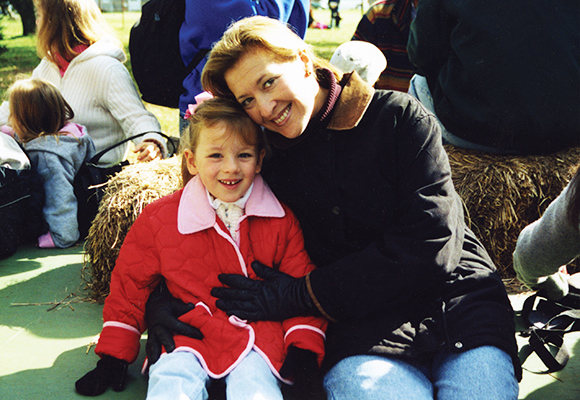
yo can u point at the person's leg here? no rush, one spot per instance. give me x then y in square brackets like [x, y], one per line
[177, 375]
[369, 377]
[252, 379]
[419, 89]
[482, 373]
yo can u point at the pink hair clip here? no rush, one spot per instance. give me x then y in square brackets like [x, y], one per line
[200, 98]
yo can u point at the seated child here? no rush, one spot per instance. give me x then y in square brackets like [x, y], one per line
[222, 221]
[40, 118]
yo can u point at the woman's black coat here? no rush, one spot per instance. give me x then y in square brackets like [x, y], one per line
[398, 273]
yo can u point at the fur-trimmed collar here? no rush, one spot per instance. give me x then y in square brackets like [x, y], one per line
[353, 102]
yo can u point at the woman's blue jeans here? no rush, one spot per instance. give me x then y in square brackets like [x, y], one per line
[482, 373]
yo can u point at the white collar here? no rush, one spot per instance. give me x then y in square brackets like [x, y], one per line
[241, 202]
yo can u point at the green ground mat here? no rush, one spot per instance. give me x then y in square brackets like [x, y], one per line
[43, 348]
[45, 328]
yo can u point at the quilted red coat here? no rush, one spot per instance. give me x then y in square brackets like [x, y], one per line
[180, 238]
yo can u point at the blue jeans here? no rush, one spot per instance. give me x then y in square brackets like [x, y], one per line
[419, 89]
[482, 373]
[179, 375]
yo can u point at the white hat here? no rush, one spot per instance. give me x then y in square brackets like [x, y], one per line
[363, 57]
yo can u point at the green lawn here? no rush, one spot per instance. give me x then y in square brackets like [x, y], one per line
[20, 57]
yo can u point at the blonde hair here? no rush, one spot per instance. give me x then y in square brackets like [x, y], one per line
[37, 108]
[214, 111]
[250, 35]
[64, 24]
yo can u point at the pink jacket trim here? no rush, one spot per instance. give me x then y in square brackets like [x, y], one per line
[115, 324]
[309, 327]
[272, 368]
[262, 203]
[227, 236]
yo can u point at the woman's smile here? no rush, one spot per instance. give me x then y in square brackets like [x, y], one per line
[282, 117]
[280, 96]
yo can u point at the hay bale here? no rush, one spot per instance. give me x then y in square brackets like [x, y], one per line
[503, 194]
[126, 195]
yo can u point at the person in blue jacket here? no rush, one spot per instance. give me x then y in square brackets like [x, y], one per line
[206, 21]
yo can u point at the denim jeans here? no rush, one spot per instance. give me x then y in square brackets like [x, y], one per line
[419, 89]
[482, 373]
[179, 375]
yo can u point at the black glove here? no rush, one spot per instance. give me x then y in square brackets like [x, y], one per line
[302, 366]
[161, 313]
[278, 297]
[110, 372]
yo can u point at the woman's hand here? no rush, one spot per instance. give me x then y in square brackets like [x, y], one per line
[148, 150]
[278, 297]
[161, 313]
[301, 366]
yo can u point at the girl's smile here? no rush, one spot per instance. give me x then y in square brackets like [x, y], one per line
[225, 164]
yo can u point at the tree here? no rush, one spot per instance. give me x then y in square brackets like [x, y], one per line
[26, 10]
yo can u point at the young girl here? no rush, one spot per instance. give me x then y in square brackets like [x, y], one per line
[223, 220]
[40, 117]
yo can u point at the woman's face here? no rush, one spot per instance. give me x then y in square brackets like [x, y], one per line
[280, 96]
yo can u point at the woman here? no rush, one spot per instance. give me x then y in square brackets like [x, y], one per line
[547, 244]
[417, 309]
[198, 32]
[83, 59]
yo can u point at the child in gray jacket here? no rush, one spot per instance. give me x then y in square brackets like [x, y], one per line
[40, 118]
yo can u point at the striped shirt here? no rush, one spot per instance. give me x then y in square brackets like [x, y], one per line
[386, 25]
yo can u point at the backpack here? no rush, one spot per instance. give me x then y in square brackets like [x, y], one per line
[21, 202]
[155, 56]
[547, 322]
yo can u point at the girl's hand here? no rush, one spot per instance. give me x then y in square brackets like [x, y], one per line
[148, 150]
[110, 372]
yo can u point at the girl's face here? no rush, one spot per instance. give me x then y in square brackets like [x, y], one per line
[280, 96]
[225, 163]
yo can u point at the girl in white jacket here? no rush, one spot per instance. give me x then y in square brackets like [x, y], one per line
[83, 59]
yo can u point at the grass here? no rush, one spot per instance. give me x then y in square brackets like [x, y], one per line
[20, 57]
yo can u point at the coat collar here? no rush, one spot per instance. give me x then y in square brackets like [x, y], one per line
[352, 104]
[195, 213]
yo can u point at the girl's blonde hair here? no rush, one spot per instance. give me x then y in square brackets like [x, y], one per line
[214, 111]
[250, 35]
[37, 108]
[64, 24]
